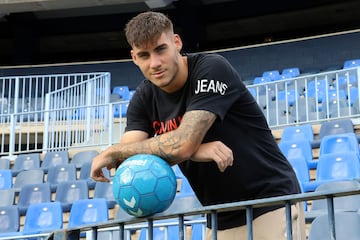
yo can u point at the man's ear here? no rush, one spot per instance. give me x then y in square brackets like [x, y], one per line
[178, 42]
[133, 57]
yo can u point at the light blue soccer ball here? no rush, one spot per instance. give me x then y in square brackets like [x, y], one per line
[144, 185]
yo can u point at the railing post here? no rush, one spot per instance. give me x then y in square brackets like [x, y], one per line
[214, 224]
[289, 230]
[150, 231]
[181, 227]
[249, 222]
[46, 123]
[331, 216]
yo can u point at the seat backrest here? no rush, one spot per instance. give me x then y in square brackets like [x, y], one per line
[85, 174]
[105, 190]
[43, 217]
[6, 179]
[160, 233]
[61, 173]
[346, 142]
[293, 133]
[82, 157]
[297, 148]
[338, 166]
[31, 194]
[26, 161]
[122, 91]
[4, 163]
[335, 127]
[54, 158]
[346, 227]
[351, 63]
[293, 71]
[88, 211]
[28, 177]
[7, 197]
[9, 219]
[351, 202]
[70, 191]
[301, 168]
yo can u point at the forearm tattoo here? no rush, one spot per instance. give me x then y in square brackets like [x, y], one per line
[171, 145]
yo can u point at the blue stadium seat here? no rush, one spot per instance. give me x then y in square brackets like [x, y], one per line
[346, 81]
[338, 166]
[104, 190]
[353, 95]
[60, 173]
[6, 179]
[293, 133]
[7, 197]
[259, 80]
[302, 170]
[54, 158]
[346, 227]
[351, 63]
[4, 163]
[88, 211]
[335, 127]
[198, 231]
[31, 194]
[82, 157]
[274, 75]
[122, 91]
[9, 221]
[120, 109]
[299, 148]
[43, 218]
[26, 177]
[346, 142]
[290, 96]
[85, 174]
[293, 72]
[26, 161]
[345, 203]
[70, 191]
[161, 233]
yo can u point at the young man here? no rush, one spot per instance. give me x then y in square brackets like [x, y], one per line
[194, 110]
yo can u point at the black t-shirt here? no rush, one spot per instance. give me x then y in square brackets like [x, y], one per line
[259, 169]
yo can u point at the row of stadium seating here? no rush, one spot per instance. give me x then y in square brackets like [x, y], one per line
[32, 180]
[276, 75]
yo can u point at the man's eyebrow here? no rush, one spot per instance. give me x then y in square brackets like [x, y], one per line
[161, 46]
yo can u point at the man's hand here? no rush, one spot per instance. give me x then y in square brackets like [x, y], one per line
[100, 161]
[214, 151]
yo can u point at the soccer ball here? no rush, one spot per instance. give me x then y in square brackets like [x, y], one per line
[144, 185]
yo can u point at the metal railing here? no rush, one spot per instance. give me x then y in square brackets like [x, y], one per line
[50, 112]
[183, 209]
[310, 98]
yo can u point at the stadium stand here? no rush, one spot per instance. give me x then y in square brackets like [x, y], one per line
[292, 114]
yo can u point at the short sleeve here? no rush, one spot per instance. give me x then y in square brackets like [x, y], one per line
[216, 85]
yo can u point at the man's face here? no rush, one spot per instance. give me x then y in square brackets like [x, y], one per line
[160, 61]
